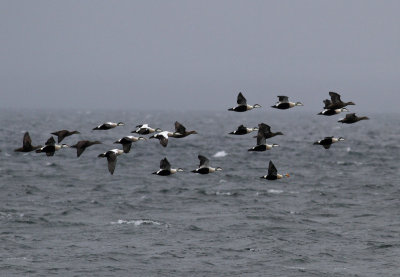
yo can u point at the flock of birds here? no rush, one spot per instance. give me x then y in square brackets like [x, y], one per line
[331, 107]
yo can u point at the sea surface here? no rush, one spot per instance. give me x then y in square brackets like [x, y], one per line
[338, 214]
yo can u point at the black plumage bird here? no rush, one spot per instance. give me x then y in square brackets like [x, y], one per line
[204, 167]
[242, 104]
[165, 168]
[242, 130]
[336, 102]
[82, 145]
[273, 173]
[64, 133]
[27, 144]
[352, 118]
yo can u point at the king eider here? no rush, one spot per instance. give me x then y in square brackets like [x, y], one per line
[127, 142]
[242, 104]
[284, 103]
[329, 112]
[82, 145]
[264, 132]
[64, 133]
[327, 141]
[111, 156]
[165, 168]
[144, 129]
[335, 102]
[352, 118]
[27, 144]
[273, 173]
[180, 131]
[163, 137]
[204, 168]
[51, 147]
[108, 125]
[241, 130]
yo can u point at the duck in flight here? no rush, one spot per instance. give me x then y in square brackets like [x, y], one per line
[327, 141]
[63, 133]
[242, 104]
[111, 156]
[180, 131]
[144, 129]
[163, 137]
[27, 144]
[108, 125]
[284, 103]
[51, 147]
[329, 112]
[264, 132]
[241, 130]
[127, 142]
[273, 173]
[335, 102]
[82, 145]
[352, 118]
[165, 168]
[204, 167]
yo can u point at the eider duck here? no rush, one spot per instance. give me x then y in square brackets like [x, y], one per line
[27, 144]
[51, 147]
[111, 156]
[204, 168]
[327, 141]
[180, 131]
[108, 125]
[329, 112]
[264, 132]
[64, 133]
[165, 168]
[242, 104]
[127, 142]
[273, 173]
[241, 130]
[82, 145]
[335, 102]
[284, 103]
[144, 129]
[352, 118]
[163, 137]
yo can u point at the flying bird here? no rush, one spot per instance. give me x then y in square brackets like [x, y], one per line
[180, 131]
[63, 133]
[242, 104]
[273, 173]
[204, 167]
[127, 142]
[264, 132]
[352, 118]
[335, 102]
[284, 103]
[165, 168]
[329, 112]
[163, 137]
[51, 147]
[27, 144]
[327, 141]
[241, 130]
[108, 125]
[82, 145]
[111, 156]
[144, 129]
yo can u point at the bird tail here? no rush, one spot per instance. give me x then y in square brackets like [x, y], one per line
[230, 109]
[101, 155]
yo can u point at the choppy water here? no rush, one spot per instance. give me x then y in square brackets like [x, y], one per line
[337, 215]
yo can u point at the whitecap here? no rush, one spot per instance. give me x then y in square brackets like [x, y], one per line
[220, 154]
[275, 191]
[223, 193]
[348, 149]
[136, 222]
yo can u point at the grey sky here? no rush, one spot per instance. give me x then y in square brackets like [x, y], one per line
[198, 54]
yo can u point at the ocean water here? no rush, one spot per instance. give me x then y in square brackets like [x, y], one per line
[338, 214]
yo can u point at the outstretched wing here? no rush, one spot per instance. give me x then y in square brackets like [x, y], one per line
[327, 103]
[351, 116]
[264, 128]
[203, 161]
[50, 141]
[335, 97]
[179, 128]
[283, 99]
[164, 164]
[261, 137]
[241, 129]
[127, 147]
[112, 161]
[272, 171]
[326, 146]
[241, 100]
[27, 142]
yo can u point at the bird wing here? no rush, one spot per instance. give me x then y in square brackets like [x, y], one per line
[60, 135]
[112, 161]
[80, 149]
[203, 161]
[326, 146]
[335, 97]
[241, 100]
[241, 128]
[163, 137]
[27, 142]
[327, 103]
[283, 99]
[261, 137]
[50, 141]
[127, 147]
[264, 128]
[351, 116]
[272, 171]
[179, 128]
[164, 164]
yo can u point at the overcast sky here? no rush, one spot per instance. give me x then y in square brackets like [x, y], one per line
[198, 54]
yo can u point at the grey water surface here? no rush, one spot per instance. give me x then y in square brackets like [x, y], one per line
[338, 214]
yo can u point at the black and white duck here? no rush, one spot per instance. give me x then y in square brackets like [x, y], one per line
[204, 167]
[127, 142]
[284, 104]
[273, 173]
[242, 104]
[111, 156]
[327, 141]
[165, 168]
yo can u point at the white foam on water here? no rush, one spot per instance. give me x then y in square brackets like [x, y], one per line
[223, 193]
[137, 222]
[220, 154]
[275, 191]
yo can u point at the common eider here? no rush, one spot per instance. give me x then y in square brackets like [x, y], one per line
[51, 147]
[82, 145]
[165, 168]
[352, 118]
[127, 142]
[27, 144]
[329, 112]
[204, 167]
[163, 137]
[180, 131]
[144, 129]
[108, 125]
[327, 141]
[111, 156]
[242, 130]
[64, 133]
[284, 103]
[242, 104]
[335, 102]
[273, 173]
[264, 132]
